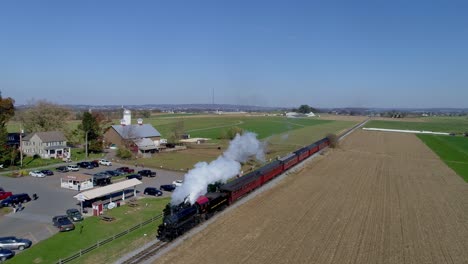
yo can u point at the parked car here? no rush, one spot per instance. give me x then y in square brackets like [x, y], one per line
[113, 173]
[147, 173]
[4, 195]
[74, 215]
[37, 174]
[63, 223]
[73, 168]
[12, 242]
[167, 187]
[101, 180]
[47, 172]
[6, 254]
[105, 162]
[135, 176]
[178, 183]
[62, 169]
[125, 170]
[152, 191]
[15, 199]
[95, 163]
[85, 165]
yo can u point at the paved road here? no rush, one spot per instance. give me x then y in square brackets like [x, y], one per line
[35, 221]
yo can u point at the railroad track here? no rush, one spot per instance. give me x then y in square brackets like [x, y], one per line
[146, 253]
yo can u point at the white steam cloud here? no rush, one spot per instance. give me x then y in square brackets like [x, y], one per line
[226, 166]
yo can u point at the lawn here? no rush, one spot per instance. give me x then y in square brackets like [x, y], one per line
[65, 244]
[457, 125]
[452, 150]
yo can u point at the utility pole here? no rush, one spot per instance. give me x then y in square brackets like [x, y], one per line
[86, 147]
[21, 147]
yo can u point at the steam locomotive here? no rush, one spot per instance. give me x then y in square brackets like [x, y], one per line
[180, 218]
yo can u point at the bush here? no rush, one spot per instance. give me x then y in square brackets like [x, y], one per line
[231, 133]
[124, 153]
[333, 140]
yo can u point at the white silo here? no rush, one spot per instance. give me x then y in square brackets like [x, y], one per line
[127, 117]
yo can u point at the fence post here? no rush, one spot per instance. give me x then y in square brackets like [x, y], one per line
[80, 253]
[60, 261]
[97, 244]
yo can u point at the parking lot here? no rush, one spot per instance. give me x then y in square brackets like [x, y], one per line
[35, 221]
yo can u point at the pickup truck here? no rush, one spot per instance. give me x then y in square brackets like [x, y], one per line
[125, 170]
[147, 173]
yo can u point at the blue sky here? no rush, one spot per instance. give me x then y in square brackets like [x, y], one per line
[268, 53]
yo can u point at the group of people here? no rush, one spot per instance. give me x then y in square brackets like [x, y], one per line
[17, 207]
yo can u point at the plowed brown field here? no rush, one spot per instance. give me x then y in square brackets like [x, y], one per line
[379, 198]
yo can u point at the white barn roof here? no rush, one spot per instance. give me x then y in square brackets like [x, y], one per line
[111, 188]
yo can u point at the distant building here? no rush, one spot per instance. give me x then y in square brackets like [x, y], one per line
[294, 114]
[51, 144]
[140, 137]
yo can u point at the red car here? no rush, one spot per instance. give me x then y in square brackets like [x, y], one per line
[4, 195]
[125, 170]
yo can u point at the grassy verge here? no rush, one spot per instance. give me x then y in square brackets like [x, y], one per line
[65, 244]
[452, 150]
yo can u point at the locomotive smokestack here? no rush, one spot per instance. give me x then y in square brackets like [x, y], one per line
[226, 166]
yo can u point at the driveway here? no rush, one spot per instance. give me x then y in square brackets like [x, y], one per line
[35, 221]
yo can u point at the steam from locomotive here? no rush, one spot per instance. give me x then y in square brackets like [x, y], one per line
[226, 166]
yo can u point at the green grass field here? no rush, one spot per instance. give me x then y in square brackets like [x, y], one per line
[457, 125]
[452, 150]
[64, 244]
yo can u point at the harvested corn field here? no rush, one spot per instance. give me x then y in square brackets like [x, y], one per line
[379, 198]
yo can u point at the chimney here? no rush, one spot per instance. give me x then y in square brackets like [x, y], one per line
[140, 121]
[122, 122]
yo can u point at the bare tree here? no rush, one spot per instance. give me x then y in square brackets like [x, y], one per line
[45, 116]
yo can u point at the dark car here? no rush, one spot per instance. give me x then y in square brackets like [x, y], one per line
[135, 176]
[113, 173]
[168, 187]
[152, 191]
[14, 243]
[101, 179]
[47, 172]
[147, 173]
[63, 223]
[125, 170]
[85, 164]
[95, 163]
[62, 169]
[6, 254]
[15, 199]
[74, 215]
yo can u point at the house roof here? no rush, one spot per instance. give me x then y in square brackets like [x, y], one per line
[136, 131]
[49, 136]
[145, 144]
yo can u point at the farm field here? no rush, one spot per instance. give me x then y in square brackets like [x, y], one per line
[452, 150]
[277, 145]
[457, 125]
[378, 198]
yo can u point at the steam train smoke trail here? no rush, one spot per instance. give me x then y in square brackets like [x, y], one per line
[226, 166]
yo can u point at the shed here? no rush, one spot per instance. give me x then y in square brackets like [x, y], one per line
[78, 182]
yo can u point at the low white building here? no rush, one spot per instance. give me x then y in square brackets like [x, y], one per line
[79, 182]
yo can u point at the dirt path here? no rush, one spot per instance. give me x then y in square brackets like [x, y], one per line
[380, 198]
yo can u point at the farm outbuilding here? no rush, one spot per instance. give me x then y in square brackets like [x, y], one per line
[78, 182]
